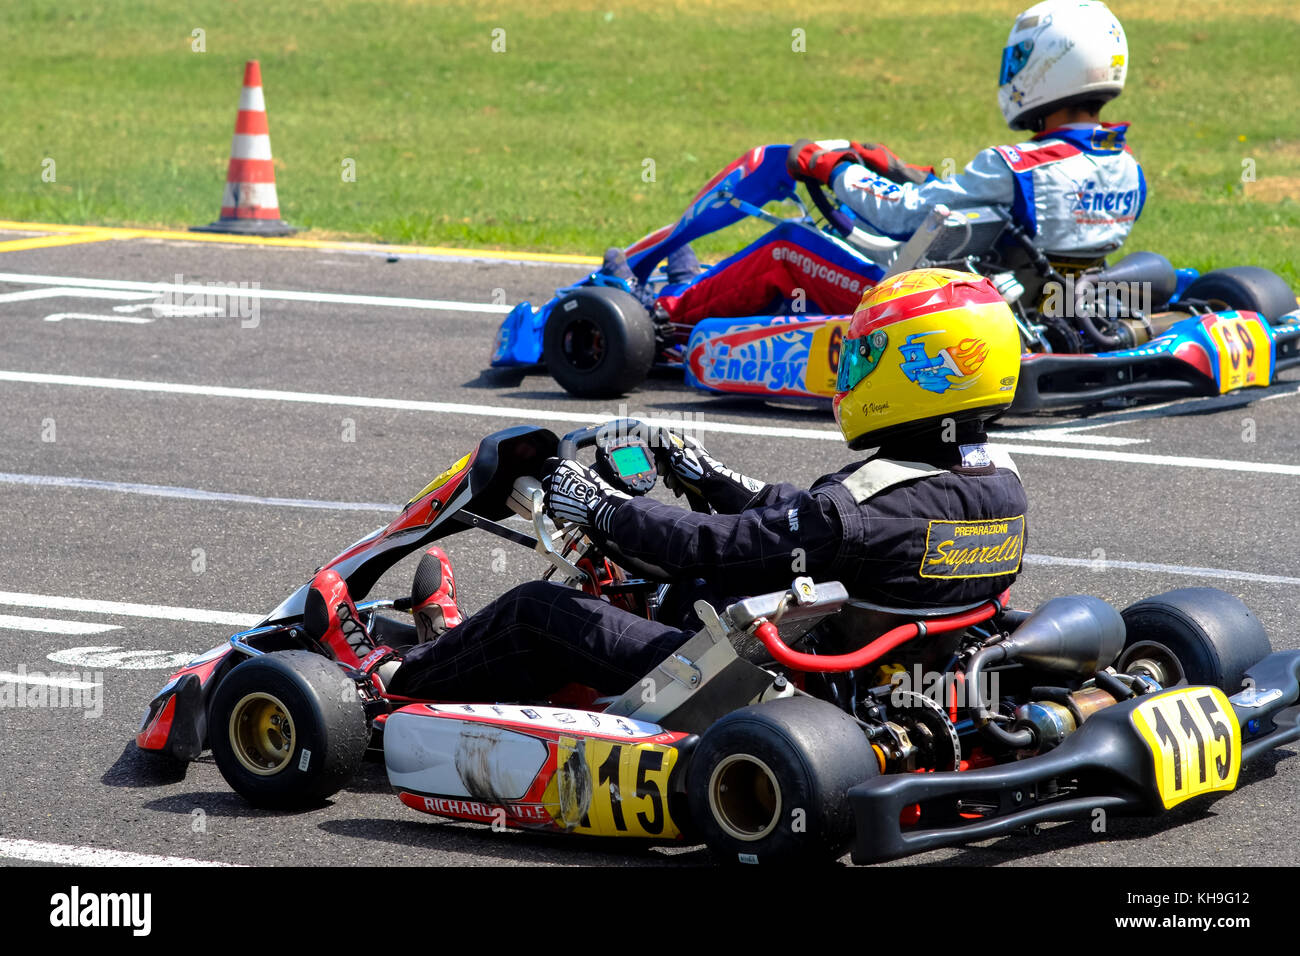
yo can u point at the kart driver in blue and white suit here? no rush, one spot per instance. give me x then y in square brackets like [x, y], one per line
[1074, 187]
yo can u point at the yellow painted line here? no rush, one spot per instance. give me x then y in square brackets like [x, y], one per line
[66, 239]
[290, 242]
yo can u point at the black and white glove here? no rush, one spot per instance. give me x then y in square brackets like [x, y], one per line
[574, 492]
[686, 465]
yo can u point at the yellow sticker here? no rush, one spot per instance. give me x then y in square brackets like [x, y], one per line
[973, 549]
[612, 788]
[441, 479]
[1195, 741]
[1245, 352]
[824, 358]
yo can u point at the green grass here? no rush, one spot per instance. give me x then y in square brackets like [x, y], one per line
[542, 146]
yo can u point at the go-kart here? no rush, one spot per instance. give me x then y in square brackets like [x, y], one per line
[1137, 328]
[792, 726]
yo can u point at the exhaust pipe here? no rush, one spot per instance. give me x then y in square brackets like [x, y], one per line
[1077, 635]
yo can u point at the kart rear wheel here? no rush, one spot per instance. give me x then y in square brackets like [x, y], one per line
[769, 783]
[599, 342]
[287, 729]
[1244, 287]
[1202, 635]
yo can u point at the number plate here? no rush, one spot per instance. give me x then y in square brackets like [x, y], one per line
[609, 788]
[824, 358]
[1245, 352]
[1195, 742]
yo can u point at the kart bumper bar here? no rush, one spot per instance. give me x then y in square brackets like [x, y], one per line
[1104, 765]
[1052, 381]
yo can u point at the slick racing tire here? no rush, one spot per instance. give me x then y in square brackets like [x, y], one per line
[1249, 288]
[599, 342]
[769, 783]
[287, 729]
[1201, 635]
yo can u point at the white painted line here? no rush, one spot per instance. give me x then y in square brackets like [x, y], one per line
[50, 626]
[53, 602]
[128, 320]
[1216, 573]
[6, 677]
[447, 408]
[27, 295]
[65, 855]
[1061, 435]
[1171, 461]
[168, 310]
[280, 295]
[113, 655]
[547, 415]
[194, 494]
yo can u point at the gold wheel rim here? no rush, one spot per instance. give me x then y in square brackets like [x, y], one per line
[262, 734]
[745, 797]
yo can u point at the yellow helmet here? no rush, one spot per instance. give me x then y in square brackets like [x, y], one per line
[924, 346]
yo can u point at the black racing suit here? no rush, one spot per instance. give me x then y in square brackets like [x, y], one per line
[910, 527]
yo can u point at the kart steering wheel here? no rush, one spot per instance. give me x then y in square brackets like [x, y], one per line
[622, 427]
[828, 206]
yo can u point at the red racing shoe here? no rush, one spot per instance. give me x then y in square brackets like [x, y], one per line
[433, 595]
[331, 618]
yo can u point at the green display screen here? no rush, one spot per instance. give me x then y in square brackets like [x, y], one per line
[630, 460]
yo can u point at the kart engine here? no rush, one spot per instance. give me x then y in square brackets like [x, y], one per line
[1077, 637]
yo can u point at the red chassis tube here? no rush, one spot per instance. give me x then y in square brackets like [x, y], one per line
[784, 654]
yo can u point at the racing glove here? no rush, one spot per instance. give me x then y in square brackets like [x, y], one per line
[881, 161]
[685, 464]
[819, 160]
[573, 492]
[816, 161]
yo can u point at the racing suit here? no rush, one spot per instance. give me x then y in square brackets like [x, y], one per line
[1075, 190]
[945, 526]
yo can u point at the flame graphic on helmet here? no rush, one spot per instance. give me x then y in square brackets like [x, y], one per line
[969, 354]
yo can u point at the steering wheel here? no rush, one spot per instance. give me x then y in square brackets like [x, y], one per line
[624, 433]
[828, 205]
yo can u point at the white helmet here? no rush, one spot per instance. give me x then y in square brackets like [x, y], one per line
[1060, 52]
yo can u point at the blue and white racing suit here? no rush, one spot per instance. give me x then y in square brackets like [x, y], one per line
[1076, 190]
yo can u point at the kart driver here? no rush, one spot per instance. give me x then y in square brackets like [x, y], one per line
[932, 517]
[1073, 187]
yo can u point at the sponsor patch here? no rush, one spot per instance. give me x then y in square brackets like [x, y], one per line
[975, 456]
[973, 549]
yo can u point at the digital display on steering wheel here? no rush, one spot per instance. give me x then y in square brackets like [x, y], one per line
[630, 461]
[626, 463]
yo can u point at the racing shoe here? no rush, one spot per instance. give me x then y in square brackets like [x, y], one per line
[330, 617]
[615, 266]
[433, 595]
[682, 265]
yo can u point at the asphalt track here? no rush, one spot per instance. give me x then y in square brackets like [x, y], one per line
[164, 476]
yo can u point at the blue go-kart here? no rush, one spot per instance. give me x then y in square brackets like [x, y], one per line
[1092, 331]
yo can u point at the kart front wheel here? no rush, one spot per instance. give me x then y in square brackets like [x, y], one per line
[599, 342]
[1250, 288]
[1201, 635]
[287, 729]
[769, 783]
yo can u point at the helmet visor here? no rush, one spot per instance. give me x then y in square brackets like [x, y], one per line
[859, 357]
[1014, 59]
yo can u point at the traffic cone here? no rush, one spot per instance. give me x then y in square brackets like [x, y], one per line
[249, 205]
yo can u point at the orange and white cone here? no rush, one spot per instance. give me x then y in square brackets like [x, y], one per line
[249, 205]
